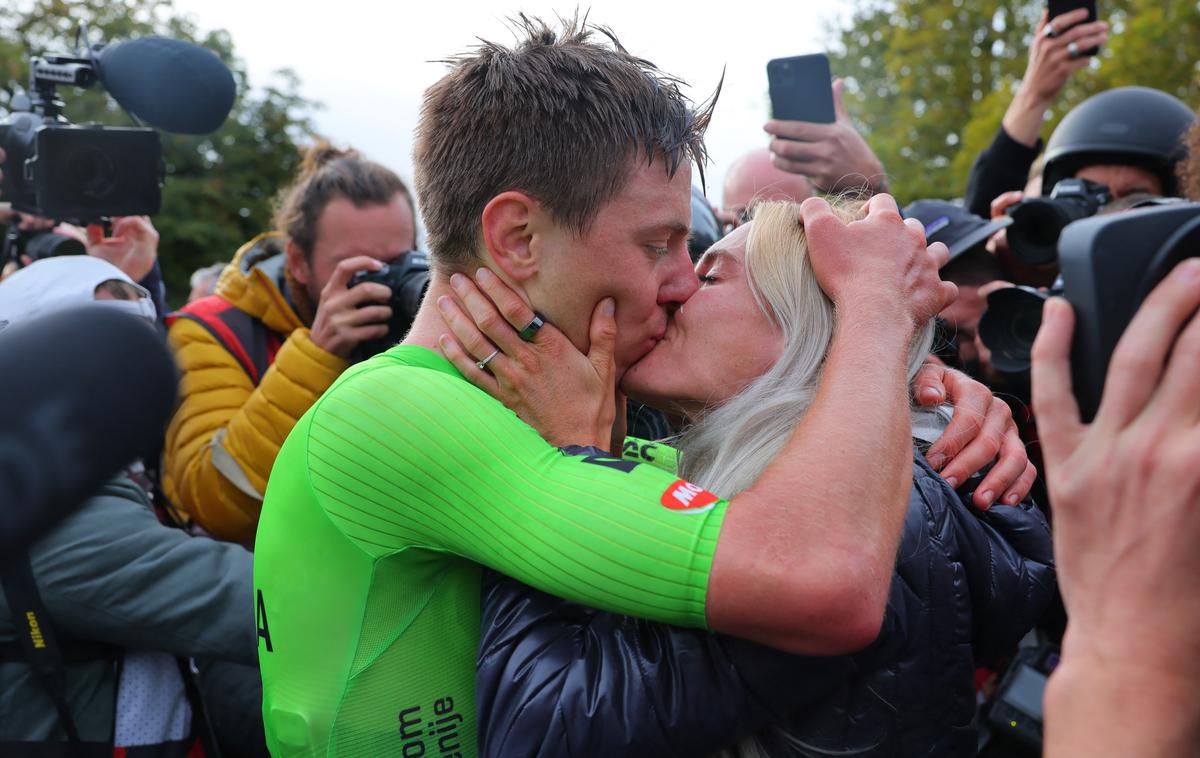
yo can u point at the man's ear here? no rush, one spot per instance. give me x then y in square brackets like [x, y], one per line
[297, 265]
[512, 225]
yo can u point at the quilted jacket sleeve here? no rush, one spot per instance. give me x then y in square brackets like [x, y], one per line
[226, 433]
[558, 679]
[1008, 557]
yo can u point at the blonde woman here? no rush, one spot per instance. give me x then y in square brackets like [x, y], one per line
[740, 364]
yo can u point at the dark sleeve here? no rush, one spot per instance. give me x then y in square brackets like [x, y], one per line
[1001, 167]
[111, 573]
[1009, 559]
[558, 679]
[153, 282]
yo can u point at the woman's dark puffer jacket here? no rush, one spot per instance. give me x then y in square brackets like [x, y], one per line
[558, 679]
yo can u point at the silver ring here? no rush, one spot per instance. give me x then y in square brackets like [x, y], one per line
[1049, 30]
[532, 327]
[483, 363]
[1073, 49]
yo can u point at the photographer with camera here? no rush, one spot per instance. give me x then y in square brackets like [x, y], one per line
[1111, 151]
[283, 325]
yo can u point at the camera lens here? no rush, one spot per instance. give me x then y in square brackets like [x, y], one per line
[1034, 233]
[1009, 326]
[92, 172]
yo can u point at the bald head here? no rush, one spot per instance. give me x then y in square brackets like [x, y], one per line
[754, 177]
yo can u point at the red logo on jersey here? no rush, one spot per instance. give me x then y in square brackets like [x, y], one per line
[685, 496]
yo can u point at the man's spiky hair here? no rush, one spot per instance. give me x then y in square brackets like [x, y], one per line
[562, 116]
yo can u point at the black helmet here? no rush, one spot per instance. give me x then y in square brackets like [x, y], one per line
[1135, 126]
[706, 230]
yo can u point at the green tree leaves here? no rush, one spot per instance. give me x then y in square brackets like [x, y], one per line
[928, 81]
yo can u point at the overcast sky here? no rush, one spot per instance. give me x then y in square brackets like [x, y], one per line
[368, 62]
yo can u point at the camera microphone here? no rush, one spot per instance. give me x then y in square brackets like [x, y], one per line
[86, 391]
[168, 83]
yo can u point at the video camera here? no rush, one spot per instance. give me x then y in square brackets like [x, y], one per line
[87, 173]
[1109, 265]
[408, 278]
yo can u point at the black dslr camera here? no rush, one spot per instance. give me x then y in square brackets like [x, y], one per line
[1109, 265]
[408, 278]
[1009, 326]
[1012, 718]
[1038, 222]
[37, 245]
[75, 173]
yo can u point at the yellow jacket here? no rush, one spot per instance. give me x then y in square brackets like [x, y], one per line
[226, 432]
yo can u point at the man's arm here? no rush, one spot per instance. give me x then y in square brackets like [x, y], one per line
[112, 573]
[1004, 165]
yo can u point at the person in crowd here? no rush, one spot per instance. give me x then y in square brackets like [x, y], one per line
[1189, 169]
[966, 587]
[123, 594]
[1128, 140]
[1054, 55]
[755, 177]
[203, 281]
[970, 267]
[404, 478]
[1126, 493]
[280, 329]
[131, 246]
[834, 157]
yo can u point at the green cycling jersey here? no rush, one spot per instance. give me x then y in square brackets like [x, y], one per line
[383, 503]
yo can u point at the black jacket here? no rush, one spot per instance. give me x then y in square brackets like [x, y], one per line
[558, 679]
[1001, 167]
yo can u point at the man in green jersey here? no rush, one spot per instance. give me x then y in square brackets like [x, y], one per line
[563, 166]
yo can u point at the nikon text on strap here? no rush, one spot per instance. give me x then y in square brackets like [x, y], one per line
[35, 630]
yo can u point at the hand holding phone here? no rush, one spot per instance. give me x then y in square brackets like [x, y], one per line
[1057, 9]
[813, 134]
[801, 89]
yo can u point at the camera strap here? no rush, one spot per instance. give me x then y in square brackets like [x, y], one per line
[35, 630]
[246, 338]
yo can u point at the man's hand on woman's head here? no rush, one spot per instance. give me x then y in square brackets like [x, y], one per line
[569, 397]
[981, 433]
[878, 266]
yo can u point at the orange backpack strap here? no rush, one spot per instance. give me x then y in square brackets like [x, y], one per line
[246, 338]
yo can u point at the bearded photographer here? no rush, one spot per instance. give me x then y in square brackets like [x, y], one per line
[282, 326]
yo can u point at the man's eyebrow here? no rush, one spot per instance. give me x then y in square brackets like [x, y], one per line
[672, 227]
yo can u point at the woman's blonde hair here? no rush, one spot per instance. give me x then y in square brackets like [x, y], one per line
[730, 445]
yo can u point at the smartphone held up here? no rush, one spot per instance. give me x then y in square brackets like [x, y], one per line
[801, 89]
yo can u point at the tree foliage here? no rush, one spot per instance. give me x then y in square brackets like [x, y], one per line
[219, 187]
[929, 80]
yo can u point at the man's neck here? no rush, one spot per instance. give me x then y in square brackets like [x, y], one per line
[428, 324]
